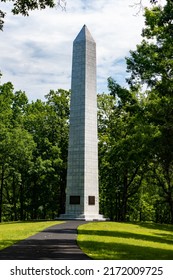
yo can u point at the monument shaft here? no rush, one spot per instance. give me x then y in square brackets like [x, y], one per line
[82, 196]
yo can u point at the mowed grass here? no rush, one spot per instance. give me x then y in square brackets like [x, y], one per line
[126, 241]
[11, 233]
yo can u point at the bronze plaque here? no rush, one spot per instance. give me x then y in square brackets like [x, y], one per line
[74, 199]
[91, 200]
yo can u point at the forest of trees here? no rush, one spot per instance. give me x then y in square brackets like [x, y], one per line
[135, 127]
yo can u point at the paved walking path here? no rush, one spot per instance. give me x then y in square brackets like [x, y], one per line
[54, 243]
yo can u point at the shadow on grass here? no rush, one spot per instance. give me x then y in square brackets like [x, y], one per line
[124, 251]
[154, 226]
[160, 239]
[119, 251]
[6, 243]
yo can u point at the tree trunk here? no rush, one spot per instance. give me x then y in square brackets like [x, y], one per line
[21, 201]
[124, 198]
[1, 192]
[14, 199]
[170, 201]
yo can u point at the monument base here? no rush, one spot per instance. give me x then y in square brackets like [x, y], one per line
[82, 217]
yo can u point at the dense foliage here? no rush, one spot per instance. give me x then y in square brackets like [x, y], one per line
[33, 154]
[136, 144]
[135, 139]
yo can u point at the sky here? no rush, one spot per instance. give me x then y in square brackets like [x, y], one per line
[36, 51]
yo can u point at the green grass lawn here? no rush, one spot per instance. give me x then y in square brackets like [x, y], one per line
[11, 233]
[126, 241]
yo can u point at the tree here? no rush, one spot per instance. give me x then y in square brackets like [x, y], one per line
[47, 122]
[124, 144]
[16, 148]
[151, 65]
[140, 7]
[59, 103]
[33, 154]
[23, 7]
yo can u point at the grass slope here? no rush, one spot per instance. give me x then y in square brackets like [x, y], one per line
[11, 233]
[126, 241]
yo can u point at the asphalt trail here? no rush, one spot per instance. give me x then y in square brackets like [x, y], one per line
[54, 243]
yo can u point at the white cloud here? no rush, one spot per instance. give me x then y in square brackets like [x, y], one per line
[36, 51]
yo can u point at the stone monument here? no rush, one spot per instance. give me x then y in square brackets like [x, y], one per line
[82, 194]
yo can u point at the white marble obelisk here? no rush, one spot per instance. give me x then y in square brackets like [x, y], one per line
[82, 194]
